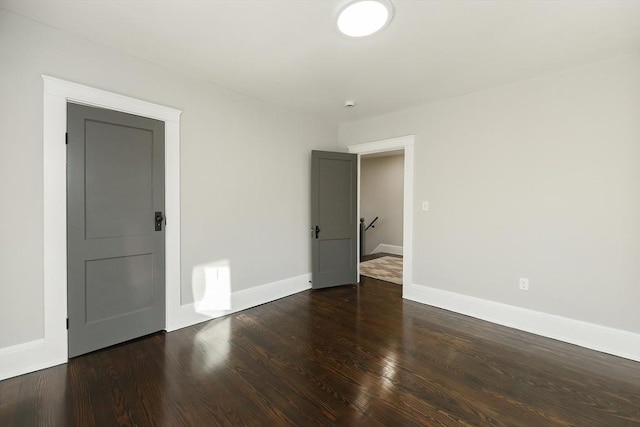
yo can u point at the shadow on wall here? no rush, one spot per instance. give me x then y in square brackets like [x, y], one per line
[211, 287]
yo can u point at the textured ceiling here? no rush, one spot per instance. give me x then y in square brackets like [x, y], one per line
[289, 52]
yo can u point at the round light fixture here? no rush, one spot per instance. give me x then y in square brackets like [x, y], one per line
[364, 17]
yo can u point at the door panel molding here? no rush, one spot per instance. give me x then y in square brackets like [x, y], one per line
[405, 143]
[57, 93]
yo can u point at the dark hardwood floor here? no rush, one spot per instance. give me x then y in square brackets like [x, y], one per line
[348, 356]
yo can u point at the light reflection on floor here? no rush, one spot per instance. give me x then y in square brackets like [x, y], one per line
[211, 346]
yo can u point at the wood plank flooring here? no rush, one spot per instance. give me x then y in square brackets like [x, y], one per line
[347, 356]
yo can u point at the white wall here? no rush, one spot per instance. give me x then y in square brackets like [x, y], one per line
[245, 168]
[381, 194]
[536, 179]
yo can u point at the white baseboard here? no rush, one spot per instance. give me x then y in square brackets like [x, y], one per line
[596, 337]
[389, 249]
[24, 358]
[241, 300]
[32, 356]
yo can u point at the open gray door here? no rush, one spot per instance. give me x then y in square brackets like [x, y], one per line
[115, 227]
[334, 178]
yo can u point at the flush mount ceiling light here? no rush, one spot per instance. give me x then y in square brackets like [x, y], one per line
[364, 17]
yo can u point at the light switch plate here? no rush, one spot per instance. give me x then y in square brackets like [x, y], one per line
[425, 206]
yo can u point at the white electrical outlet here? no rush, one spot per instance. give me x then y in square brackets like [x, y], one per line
[524, 284]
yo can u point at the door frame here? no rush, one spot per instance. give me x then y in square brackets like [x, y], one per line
[405, 143]
[57, 93]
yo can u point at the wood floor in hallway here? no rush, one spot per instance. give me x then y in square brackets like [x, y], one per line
[346, 356]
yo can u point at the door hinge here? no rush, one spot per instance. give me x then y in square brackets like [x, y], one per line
[66, 138]
[67, 323]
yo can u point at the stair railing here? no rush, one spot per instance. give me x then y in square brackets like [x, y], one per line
[363, 229]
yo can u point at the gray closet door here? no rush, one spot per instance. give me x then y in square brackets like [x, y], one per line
[115, 255]
[334, 178]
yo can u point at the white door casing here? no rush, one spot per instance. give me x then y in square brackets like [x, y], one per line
[405, 143]
[56, 95]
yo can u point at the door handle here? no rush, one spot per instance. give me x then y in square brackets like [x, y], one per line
[159, 218]
[317, 230]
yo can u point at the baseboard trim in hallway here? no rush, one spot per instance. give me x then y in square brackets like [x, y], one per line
[390, 249]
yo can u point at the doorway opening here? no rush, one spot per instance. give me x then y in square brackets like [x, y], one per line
[401, 146]
[381, 204]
